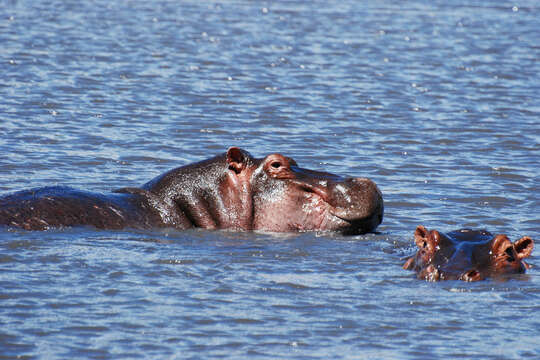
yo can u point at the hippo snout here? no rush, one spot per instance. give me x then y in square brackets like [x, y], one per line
[357, 201]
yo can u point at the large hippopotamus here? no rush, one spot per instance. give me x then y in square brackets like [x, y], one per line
[233, 190]
[468, 255]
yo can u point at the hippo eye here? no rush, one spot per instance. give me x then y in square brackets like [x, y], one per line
[276, 164]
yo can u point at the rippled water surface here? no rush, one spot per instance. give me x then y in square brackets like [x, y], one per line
[436, 101]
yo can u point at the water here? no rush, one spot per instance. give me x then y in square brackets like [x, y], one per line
[435, 101]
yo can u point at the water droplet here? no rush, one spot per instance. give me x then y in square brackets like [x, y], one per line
[515, 9]
[265, 10]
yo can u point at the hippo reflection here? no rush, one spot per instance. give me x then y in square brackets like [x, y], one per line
[229, 191]
[468, 255]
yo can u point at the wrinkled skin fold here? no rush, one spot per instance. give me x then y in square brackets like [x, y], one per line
[230, 191]
[468, 255]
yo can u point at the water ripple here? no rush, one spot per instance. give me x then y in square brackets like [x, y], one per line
[434, 101]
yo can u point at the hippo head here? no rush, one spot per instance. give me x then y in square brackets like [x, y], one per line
[285, 197]
[468, 255]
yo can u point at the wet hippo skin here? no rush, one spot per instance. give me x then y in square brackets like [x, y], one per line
[468, 255]
[230, 191]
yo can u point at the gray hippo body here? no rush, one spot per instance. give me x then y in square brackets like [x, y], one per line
[230, 191]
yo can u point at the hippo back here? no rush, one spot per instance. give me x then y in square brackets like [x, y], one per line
[58, 206]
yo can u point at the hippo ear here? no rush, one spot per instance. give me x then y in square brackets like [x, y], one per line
[524, 247]
[420, 236]
[425, 239]
[500, 244]
[236, 159]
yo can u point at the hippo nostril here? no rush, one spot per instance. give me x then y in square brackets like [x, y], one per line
[276, 164]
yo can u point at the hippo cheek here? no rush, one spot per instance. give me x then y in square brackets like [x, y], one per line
[423, 258]
[301, 212]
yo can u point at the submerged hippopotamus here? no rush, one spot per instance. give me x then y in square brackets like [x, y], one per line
[230, 191]
[468, 255]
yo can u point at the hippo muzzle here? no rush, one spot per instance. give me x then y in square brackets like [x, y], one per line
[358, 201]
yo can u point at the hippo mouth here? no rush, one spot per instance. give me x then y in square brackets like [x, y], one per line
[353, 224]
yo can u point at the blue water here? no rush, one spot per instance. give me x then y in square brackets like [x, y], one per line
[436, 101]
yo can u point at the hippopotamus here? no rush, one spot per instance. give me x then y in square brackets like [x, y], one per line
[466, 254]
[232, 190]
